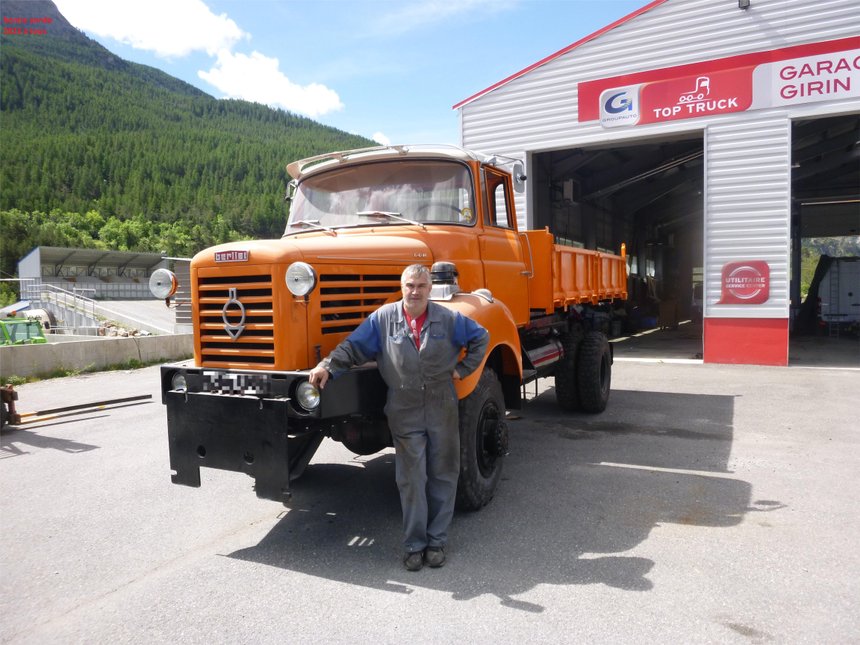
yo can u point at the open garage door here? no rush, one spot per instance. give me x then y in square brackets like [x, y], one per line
[647, 195]
[825, 282]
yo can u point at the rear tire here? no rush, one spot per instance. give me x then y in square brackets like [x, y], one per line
[594, 372]
[483, 442]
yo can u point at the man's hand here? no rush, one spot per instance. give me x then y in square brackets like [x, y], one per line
[318, 376]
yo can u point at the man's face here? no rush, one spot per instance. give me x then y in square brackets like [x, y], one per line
[416, 293]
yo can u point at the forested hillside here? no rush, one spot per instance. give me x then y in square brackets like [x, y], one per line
[87, 132]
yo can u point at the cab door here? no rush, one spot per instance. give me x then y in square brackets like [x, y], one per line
[506, 273]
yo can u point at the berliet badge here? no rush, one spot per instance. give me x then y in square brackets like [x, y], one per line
[237, 329]
[232, 256]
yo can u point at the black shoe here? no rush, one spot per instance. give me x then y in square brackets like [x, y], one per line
[413, 561]
[434, 556]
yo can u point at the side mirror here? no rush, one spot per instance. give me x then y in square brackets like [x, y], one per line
[291, 190]
[519, 177]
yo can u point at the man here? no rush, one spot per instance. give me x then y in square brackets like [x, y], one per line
[416, 344]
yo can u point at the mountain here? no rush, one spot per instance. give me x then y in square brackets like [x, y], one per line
[85, 130]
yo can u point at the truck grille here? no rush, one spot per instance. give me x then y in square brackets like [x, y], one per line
[347, 299]
[224, 297]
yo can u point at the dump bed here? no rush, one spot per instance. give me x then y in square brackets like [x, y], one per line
[564, 275]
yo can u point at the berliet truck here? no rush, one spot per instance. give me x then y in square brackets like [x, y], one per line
[265, 312]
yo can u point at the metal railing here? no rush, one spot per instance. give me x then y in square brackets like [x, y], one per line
[85, 312]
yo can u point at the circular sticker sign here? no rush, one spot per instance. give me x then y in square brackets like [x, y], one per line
[745, 283]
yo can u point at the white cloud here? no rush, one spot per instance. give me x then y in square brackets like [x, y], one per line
[176, 28]
[258, 78]
[169, 28]
[381, 138]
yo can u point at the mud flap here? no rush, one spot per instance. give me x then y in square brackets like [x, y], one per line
[237, 433]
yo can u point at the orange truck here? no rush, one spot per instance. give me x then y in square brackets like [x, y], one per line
[267, 311]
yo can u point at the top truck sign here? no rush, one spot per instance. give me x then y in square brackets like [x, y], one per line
[677, 98]
[790, 76]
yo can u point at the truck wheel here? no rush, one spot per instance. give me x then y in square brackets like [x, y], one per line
[566, 392]
[594, 372]
[483, 442]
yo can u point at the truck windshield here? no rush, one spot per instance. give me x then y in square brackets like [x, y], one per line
[384, 193]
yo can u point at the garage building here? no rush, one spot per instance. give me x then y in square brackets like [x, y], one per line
[710, 136]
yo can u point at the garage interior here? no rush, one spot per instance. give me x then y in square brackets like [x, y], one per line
[648, 195]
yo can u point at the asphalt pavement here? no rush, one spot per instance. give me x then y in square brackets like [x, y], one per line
[708, 504]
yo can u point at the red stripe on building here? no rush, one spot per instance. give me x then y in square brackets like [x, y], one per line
[746, 341]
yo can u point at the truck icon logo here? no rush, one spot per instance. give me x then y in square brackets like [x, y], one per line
[233, 330]
[698, 93]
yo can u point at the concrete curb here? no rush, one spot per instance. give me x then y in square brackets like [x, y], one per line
[42, 360]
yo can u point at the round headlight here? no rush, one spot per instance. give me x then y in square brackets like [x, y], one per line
[163, 283]
[301, 278]
[178, 382]
[308, 396]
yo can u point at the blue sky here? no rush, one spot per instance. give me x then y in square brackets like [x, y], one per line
[385, 69]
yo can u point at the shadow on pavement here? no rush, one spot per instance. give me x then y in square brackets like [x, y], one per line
[13, 440]
[578, 492]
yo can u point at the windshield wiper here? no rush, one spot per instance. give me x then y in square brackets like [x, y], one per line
[390, 215]
[313, 223]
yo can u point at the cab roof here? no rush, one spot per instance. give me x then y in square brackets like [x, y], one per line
[305, 167]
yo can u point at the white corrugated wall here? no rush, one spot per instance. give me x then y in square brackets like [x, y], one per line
[747, 208]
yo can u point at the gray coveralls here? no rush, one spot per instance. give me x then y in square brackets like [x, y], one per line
[421, 406]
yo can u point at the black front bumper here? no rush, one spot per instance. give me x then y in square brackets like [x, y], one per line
[262, 432]
[241, 434]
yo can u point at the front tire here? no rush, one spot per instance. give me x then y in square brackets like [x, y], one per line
[483, 442]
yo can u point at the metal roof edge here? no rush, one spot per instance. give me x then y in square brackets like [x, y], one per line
[63, 254]
[561, 52]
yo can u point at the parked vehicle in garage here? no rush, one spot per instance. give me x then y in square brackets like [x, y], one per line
[840, 292]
